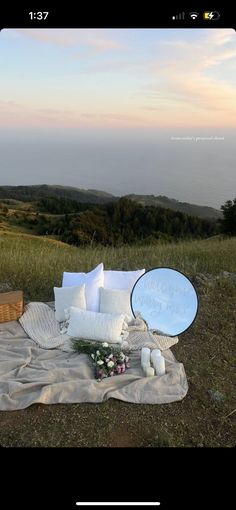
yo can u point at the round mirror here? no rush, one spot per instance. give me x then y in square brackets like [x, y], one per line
[166, 299]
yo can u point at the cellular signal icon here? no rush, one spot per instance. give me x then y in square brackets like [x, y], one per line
[194, 15]
[179, 16]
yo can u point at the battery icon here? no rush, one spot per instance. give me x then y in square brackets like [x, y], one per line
[211, 15]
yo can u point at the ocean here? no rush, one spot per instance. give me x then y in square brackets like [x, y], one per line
[190, 167]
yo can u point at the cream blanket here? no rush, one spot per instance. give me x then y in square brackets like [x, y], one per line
[30, 374]
[40, 324]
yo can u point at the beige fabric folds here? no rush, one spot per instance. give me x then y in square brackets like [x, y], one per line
[30, 374]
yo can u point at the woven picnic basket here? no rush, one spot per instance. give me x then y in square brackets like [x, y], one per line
[11, 305]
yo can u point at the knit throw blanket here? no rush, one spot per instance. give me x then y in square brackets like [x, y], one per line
[40, 325]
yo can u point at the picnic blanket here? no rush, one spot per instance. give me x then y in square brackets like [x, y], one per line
[40, 324]
[39, 366]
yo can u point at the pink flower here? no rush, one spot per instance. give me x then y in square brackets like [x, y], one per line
[108, 366]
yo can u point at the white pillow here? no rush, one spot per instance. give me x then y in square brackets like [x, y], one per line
[95, 326]
[123, 280]
[93, 281]
[66, 297]
[115, 301]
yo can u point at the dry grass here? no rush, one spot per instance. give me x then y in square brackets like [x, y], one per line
[36, 264]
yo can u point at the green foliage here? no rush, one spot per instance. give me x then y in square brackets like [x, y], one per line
[114, 223]
[228, 223]
[54, 205]
[126, 222]
[170, 203]
[3, 208]
[90, 346]
[36, 192]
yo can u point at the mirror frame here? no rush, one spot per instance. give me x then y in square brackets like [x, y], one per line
[173, 269]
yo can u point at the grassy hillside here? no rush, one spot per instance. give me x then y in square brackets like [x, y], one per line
[205, 418]
[36, 264]
[113, 224]
[36, 192]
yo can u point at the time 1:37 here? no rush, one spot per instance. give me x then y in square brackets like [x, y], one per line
[38, 15]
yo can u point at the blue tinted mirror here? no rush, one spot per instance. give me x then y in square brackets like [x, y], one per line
[166, 299]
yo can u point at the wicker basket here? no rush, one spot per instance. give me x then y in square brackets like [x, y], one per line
[11, 306]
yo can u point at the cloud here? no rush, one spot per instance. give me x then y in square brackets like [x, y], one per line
[222, 36]
[15, 115]
[189, 78]
[114, 116]
[9, 105]
[136, 66]
[184, 82]
[97, 39]
[54, 112]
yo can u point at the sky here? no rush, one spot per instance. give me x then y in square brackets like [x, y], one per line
[111, 109]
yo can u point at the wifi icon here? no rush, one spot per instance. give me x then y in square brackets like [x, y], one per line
[193, 15]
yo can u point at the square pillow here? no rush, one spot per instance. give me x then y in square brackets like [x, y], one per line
[102, 327]
[123, 280]
[92, 280]
[115, 301]
[66, 297]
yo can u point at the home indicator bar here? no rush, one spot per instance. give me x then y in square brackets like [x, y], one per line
[117, 503]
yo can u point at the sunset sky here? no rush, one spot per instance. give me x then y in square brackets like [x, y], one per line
[117, 78]
[99, 109]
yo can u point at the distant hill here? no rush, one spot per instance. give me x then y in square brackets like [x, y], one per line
[170, 203]
[36, 192]
[31, 193]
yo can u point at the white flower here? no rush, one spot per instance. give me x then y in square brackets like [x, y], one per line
[110, 364]
[98, 353]
[100, 362]
[126, 359]
[122, 356]
[105, 344]
[111, 356]
[92, 356]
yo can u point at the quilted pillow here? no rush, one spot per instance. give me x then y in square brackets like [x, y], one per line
[66, 297]
[101, 327]
[115, 301]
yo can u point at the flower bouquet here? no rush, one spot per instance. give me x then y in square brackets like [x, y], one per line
[107, 360]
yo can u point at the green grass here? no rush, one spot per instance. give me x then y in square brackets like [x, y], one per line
[207, 350]
[36, 264]
[19, 229]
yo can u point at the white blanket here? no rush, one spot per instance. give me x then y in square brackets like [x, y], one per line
[40, 324]
[30, 374]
